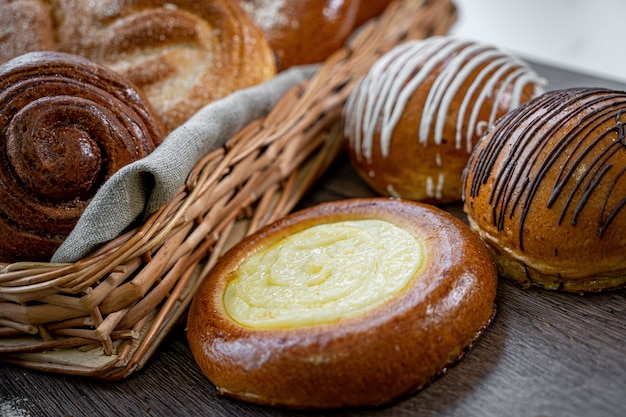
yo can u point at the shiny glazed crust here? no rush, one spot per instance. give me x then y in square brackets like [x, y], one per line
[308, 31]
[366, 360]
[545, 190]
[66, 125]
[412, 123]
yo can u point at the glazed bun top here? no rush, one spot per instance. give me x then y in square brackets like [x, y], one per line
[439, 68]
[309, 31]
[547, 184]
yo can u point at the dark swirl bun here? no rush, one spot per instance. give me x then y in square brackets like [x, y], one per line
[546, 189]
[66, 125]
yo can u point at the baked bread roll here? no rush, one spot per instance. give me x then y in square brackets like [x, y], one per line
[309, 31]
[182, 54]
[545, 190]
[346, 304]
[300, 31]
[413, 121]
[66, 125]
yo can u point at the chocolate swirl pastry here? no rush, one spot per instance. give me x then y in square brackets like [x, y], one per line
[66, 125]
[546, 189]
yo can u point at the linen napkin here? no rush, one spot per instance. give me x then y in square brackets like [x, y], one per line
[142, 187]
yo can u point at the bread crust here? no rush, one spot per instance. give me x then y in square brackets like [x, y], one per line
[306, 32]
[366, 360]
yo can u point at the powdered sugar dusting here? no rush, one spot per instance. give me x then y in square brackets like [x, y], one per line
[267, 14]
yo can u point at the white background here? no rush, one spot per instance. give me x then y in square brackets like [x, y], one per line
[583, 35]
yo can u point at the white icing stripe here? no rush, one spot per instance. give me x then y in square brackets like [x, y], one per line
[461, 75]
[497, 67]
[383, 94]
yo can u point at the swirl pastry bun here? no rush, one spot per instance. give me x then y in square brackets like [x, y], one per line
[66, 125]
[413, 121]
[345, 304]
[545, 189]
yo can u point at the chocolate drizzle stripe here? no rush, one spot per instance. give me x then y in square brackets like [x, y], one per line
[514, 165]
[588, 122]
[565, 112]
[520, 148]
[604, 224]
[595, 180]
[595, 172]
[565, 174]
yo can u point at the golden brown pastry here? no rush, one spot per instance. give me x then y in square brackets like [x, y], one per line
[412, 123]
[66, 125]
[309, 31]
[182, 54]
[545, 188]
[369, 9]
[345, 304]
[300, 31]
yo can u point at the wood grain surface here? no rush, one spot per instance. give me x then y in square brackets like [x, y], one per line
[545, 354]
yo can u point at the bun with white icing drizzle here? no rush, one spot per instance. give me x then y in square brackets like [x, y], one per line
[345, 304]
[413, 121]
[546, 187]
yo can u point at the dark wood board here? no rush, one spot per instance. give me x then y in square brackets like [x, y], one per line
[545, 354]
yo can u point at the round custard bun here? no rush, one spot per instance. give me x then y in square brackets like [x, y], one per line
[545, 189]
[414, 119]
[345, 304]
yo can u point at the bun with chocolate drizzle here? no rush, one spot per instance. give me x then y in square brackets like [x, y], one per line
[413, 121]
[546, 190]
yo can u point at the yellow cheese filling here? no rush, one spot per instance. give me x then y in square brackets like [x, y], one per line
[323, 274]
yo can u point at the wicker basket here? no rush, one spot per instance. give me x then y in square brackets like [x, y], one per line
[104, 315]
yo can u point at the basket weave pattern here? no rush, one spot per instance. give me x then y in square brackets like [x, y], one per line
[104, 315]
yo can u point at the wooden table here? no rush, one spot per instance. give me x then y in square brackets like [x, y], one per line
[546, 354]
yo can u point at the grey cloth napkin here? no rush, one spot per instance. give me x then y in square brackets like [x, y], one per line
[143, 186]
